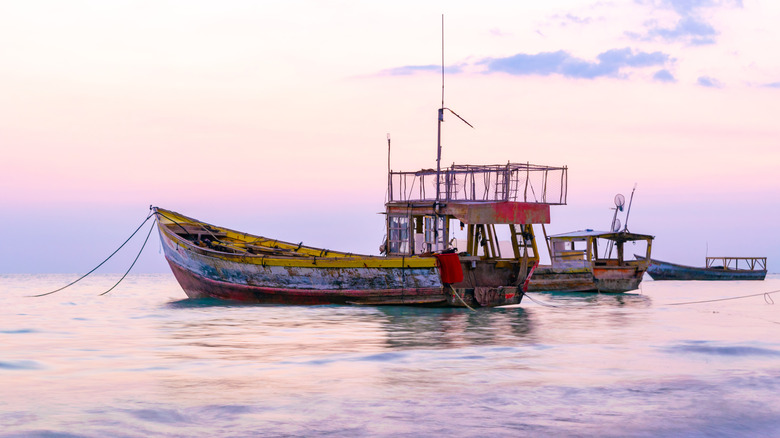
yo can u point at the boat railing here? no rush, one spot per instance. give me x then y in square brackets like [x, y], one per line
[733, 263]
[515, 182]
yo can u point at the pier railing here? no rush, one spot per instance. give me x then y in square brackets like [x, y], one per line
[516, 182]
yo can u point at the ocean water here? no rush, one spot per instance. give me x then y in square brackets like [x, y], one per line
[145, 361]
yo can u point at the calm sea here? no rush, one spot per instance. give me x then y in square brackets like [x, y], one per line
[144, 361]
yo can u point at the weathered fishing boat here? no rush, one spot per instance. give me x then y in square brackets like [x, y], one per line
[419, 265]
[717, 268]
[577, 267]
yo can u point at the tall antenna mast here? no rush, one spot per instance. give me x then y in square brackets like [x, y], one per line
[442, 60]
[441, 119]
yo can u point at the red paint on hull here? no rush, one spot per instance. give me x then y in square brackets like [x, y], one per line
[197, 286]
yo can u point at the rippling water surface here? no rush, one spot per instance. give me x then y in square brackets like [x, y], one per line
[143, 361]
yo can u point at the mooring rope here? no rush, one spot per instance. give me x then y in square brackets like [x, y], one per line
[461, 299]
[541, 303]
[133, 264]
[157, 213]
[101, 263]
[767, 298]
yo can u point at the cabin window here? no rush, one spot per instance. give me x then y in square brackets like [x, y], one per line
[398, 232]
[435, 233]
[570, 252]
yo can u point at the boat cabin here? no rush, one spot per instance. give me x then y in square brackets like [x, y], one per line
[589, 248]
[423, 216]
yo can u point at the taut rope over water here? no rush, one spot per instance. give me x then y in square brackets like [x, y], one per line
[132, 264]
[107, 259]
[539, 302]
[767, 297]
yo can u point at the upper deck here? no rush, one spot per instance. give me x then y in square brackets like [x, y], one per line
[512, 182]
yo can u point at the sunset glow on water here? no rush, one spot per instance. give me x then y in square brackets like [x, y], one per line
[144, 361]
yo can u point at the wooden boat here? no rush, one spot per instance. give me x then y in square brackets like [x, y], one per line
[419, 265]
[716, 268]
[577, 267]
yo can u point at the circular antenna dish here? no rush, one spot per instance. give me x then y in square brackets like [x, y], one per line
[616, 227]
[620, 201]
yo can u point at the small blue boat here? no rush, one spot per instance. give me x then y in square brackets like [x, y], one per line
[717, 268]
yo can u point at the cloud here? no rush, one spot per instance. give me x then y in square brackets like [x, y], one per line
[571, 18]
[690, 30]
[521, 64]
[411, 69]
[414, 69]
[498, 32]
[664, 76]
[706, 81]
[773, 85]
[611, 63]
[691, 27]
[687, 7]
[690, 7]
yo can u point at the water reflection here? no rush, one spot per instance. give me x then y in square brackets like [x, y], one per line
[594, 298]
[269, 334]
[214, 329]
[307, 351]
[190, 303]
[409, 327]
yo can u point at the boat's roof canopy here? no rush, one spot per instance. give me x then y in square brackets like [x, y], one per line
[621, 236]
[510, 182]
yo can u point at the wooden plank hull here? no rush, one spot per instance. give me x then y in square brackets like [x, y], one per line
[601, 279]
[548, 279]
[616, 279]
[342, 278]
[660, 270]
[203, 276]
[198, 286]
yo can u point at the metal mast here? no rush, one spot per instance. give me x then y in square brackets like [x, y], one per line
[441, 119]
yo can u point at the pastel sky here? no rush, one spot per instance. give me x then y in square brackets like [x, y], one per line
[272, 117]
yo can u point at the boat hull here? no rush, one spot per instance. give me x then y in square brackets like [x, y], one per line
[605, 279]
[204, 276]
[340, 279]
[548, 279]
[616, 279]
[660, 270]
[198, 286]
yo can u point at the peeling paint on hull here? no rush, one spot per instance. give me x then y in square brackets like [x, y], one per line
[607, 280]
[196, 286]
[547, 279]
[285, 275]
[202, 276]
[614, 279]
